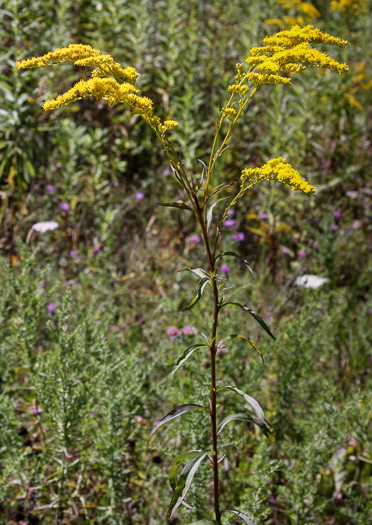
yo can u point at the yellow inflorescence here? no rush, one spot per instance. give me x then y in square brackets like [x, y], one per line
[296, 35]
[228, 112]
[66, 54]
[276, 169]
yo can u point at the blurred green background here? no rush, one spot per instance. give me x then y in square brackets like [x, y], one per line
[84, 310]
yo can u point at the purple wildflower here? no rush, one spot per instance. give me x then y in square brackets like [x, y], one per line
[337, 214]
[230, 222]
[222, 349]
[190, 330]
[166, 173]
[285, 250]
[194, 238]
[139, 195]
[302, 254]
[333, 227]
[51, 307]
[238, 237]
[262, 216]
[225, 269]
[96, 249]
[230, 212]
[50, 188]
[315, 244]
[173, 332]
[139, 419]
[64, 206]
[73, 254]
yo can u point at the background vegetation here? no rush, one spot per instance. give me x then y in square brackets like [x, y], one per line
[85, 349]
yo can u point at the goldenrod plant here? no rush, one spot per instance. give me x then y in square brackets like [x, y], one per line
[282, 56]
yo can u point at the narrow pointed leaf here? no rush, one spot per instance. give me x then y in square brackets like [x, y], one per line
[184, 482]
[197, 271]
[250, 400]
[185, 355]
[175, 205]
[175, 465]
[242, 516]
[255, 316]
[241, 336]
[175, 412]
[234, 254]
[244, 417]
[199, 292]
[210, 215]
[219, 188]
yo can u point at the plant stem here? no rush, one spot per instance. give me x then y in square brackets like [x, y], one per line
[213, 351]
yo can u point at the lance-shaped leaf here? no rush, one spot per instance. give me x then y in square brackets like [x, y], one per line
[249, 419]
[174, 468]
[241, 336]
[237, 256]
[219, 188]
[181, 205]
[184, 482]
[250, 400]
[210, 212]
[175, 412]
[255, 316]
[199, 292]
[242, 516]
[185, 355]
[197, 271]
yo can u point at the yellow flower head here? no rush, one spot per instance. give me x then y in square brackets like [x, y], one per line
[276, 169]
[296, 35]
[72, 53]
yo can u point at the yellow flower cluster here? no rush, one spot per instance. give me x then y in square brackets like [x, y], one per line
[228, 112]
[352, 6]
[109, 81]
[276, 169]
[296, 35]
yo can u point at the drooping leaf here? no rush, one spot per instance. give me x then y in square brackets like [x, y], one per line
[234, 254]
[210, 214]
[199, 292]
[250, 400]
[219, 188]
[241, 336]
[175, 465]
[197, 271]
[184, 482]
[244, 417]
[175, 412]
[242, 516]
[175, 205]
[255, 316]
[185, 355]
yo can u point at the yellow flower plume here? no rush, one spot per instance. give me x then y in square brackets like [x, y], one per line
[276, 169]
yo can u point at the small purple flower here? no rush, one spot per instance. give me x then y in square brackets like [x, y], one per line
[190, 330]
[225, 269]
[139, 195]
[114, 329]
[139, 419]
[166, 173]
[73, 254]
[230, 212]
[315, 244]
[333, 227]
[64, 206]
[229, 223]
[262, 216]
[194, 238]
[116, 184]
[302, 254]
[222, 349]
[173, 332]
[285, 250]
[96, 249]
[51, 308]
[238, 237]
[337, 214]
[50, 188]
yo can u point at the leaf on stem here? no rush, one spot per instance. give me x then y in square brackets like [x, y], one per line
[197, 271]
[219, 188]
[185, 355]
[250, 400]
[184, 482]
[175, 412]
[241, 336]
[199, 292]
[242, 516]
[249, 419]
[176, 463]
[234, 254]
[210, 212]
[204, 522]
[255, 316]
[175, 205]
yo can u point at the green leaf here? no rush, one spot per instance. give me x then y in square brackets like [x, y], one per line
[199, 292]
[204, 522]
[249, 419]
[197, 271]
[255, 316]
[185, 355]
[250, 400]
[210, 214]
[219, 188]
[241, 336]
[242, 516]
[175, 205]
[234, 254]
[176, 463]
[184, 482]
[175, 412]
